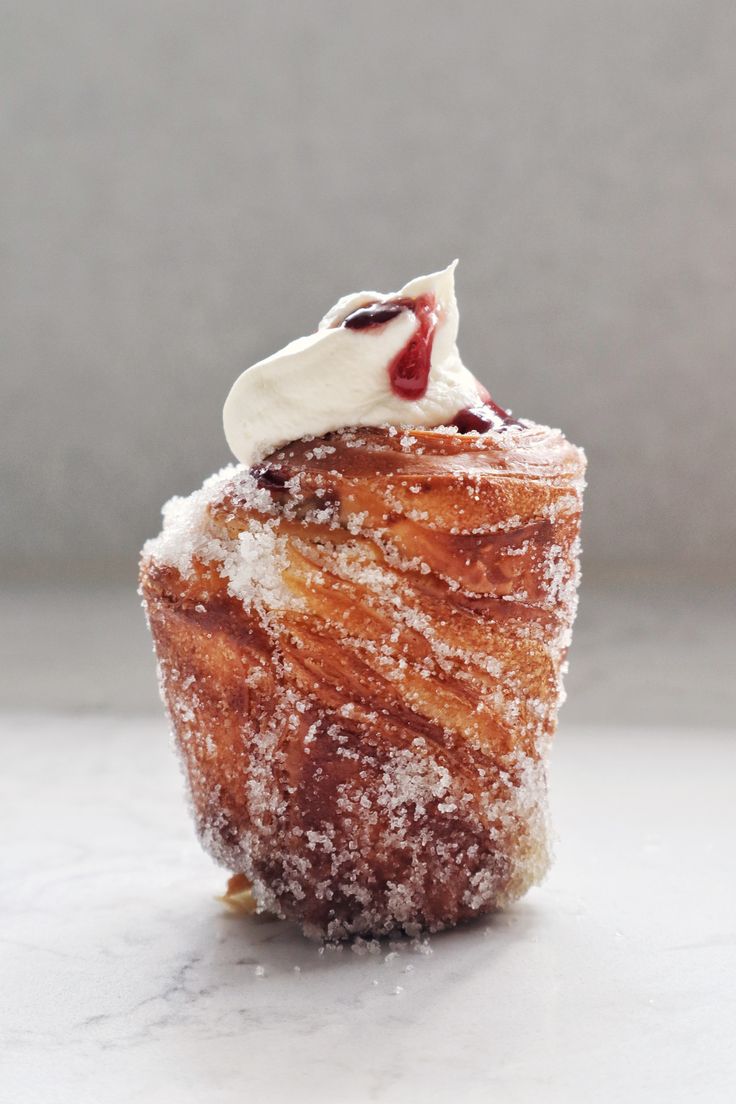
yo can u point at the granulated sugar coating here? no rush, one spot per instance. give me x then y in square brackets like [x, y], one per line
[360, 646]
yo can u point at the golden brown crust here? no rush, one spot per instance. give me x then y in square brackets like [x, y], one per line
[361, 656]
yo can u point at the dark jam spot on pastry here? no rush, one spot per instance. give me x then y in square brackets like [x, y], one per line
[271, 478]
[300, 502]
[481, 418]
[474, 418]
[408, 372]
[507, 418]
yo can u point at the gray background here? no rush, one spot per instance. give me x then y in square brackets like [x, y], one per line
[189, 185]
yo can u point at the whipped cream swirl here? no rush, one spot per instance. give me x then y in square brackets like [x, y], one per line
[342, 374]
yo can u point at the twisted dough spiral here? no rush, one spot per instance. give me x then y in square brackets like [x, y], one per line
[360, 646]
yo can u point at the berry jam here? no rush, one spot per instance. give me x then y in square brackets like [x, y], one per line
[375, 314]
[506, 417]
[474, 419]
[408, 372]
[486, 415]
[271, 478]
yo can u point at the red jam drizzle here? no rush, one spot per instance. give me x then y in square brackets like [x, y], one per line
[486, 415]
[375, 314]
[408, 372]
[483, 415]
[505, 415]
[474, 419]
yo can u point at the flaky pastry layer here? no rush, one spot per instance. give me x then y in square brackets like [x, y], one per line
[361, 646]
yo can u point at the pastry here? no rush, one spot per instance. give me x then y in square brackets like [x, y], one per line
[361, 628]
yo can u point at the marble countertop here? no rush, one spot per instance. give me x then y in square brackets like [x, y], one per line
[123, 978]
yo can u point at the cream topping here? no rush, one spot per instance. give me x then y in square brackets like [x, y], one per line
[340, 377]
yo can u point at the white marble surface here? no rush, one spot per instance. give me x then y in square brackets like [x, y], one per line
[124, 980]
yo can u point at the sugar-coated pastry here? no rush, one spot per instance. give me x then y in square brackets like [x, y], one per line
[361, 628]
